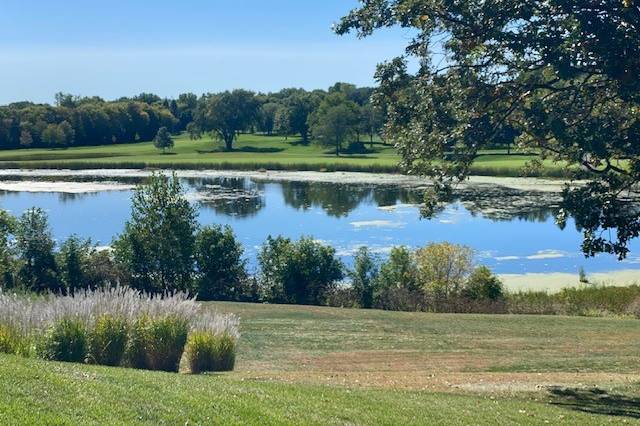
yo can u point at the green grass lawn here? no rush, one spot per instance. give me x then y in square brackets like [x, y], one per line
[312, 365]
[251, 152]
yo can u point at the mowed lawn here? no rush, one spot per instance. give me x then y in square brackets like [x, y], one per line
[250, 152]
[312, 365]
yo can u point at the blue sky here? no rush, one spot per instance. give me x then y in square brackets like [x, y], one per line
[116, 48]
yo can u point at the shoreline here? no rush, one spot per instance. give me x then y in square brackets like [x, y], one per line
[522, 183]
[553, 282]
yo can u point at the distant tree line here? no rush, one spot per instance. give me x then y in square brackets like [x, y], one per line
[343, 114]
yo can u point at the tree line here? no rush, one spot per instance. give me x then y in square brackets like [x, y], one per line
[163, 249]
[343, 113]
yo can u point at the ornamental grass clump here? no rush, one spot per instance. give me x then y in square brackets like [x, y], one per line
[108, 340]
[115, 326]
[210, 352]
[66, 340]
[212, 343]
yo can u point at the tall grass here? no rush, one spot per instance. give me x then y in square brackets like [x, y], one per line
[108, 319]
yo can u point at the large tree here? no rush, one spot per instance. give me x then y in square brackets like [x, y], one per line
[561, 76]
[335, 120]
[228, 113]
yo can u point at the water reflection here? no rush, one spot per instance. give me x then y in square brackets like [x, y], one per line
[244, 197]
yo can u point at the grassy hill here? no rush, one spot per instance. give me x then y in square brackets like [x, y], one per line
[317, 365]
[251, 152]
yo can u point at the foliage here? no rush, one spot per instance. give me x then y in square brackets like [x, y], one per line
[228, 113]
[399, 270]
[163, 139]
[335, 120]
[107, 340]
[554, 76]
[66, 340]
[221, 272]
[301, 272]
[209, 352]
[364, 277]
[483, 284]
[37, 269]
[72, 261]
[157, 244]
[7, 252]
[444, 267]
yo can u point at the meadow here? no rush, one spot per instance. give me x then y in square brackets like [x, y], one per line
[251, 152]
[317, 365]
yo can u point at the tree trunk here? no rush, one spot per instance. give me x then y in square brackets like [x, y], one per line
[337, 147]
[228, 142]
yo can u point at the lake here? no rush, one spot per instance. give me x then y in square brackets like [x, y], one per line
[512, 230]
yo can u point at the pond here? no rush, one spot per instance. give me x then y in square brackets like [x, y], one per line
[512, 231]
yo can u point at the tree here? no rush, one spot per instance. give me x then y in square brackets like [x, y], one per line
[364, 277]
[157, 244]
[371, 121]
[26, 140]
[72, 260]
[54, 136]
[562, 74]
[400, 270]
[7, 252]
[282, 121]
[221, 272]
[443, 268]
[483, 285]
[163, 139]
[334, 121]
[300, 106]
[37, 267]
[301, 272]
[267, 117]
[228, 113]
[194, 131]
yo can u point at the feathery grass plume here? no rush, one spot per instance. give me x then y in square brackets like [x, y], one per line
[29, 318]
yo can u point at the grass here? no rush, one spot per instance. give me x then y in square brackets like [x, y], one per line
[251, 152]
[311, 365]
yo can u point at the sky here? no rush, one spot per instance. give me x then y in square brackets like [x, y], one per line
[124, 47]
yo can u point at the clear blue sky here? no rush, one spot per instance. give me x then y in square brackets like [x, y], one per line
[124, 47]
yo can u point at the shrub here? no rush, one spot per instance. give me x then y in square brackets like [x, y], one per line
[302, 272]
[65, 341]
[483, 285]
[108, 340]
[221, 273]
[165, 340]
[208, 352]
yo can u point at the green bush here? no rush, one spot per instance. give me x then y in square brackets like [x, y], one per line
[165, 341]
[66, 341]
[108, 340]
[208, 352]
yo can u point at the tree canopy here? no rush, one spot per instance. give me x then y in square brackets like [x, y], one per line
[228, 113]
[556, 76]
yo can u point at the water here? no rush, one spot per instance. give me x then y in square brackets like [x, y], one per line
[511, 231]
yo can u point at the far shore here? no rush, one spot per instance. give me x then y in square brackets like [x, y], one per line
[553, 282]
[521, 183]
